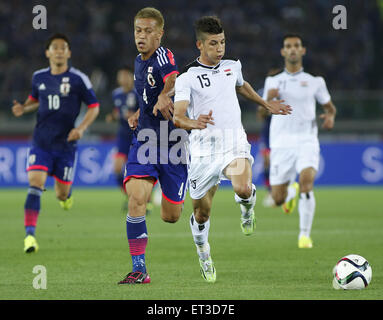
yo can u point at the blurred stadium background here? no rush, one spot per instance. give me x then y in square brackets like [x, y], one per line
[85, 250]
[101, 34]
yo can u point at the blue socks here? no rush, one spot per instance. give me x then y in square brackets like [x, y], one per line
[138, 239]
[32, 210]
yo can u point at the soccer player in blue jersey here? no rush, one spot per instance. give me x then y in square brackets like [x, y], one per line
[155, 73]
[57, 94]
[125, 102]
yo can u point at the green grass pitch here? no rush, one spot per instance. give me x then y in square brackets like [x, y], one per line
[85, 250]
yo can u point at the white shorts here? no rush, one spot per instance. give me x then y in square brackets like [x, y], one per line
[286, 163]
[207, 171]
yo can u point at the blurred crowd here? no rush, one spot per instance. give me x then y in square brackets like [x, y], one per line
[101, 34]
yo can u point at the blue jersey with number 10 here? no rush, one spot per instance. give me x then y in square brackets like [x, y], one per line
[60, 97]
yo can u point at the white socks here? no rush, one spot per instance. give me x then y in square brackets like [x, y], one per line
[291, 193]
[247, 204]
[306, 208]
[200, 235]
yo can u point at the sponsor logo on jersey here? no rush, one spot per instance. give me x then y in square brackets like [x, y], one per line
[151, 80]
[304, 84]
[150, 69]
[42, 86]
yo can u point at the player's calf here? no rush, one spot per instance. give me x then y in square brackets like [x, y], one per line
[279, 194]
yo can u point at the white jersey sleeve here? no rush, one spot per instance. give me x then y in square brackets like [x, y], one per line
[240, 80]
[322, 95]
[182, 88]
[269, 84]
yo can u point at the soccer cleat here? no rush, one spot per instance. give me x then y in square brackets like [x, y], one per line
[288, 207]
[30, 244]
[207, 270]
[248, 224]
[305, 242]
[66, 204]
[136, 277]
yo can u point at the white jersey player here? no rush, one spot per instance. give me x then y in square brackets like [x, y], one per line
[294, 139]
[206, 103]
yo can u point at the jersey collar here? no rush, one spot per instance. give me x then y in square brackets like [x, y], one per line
[294, 73]
[206, 66]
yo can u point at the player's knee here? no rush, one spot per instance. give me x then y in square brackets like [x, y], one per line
[243, 191]
[170, 218]
[278, 197]
[170, 212]
[36, 182]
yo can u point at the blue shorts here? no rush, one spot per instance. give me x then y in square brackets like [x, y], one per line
[59, 164]
[172, 177]
[124, 142]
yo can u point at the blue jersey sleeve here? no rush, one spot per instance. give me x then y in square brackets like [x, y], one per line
[116, 102]
[35, 91]
[167, 64]
[88, 95]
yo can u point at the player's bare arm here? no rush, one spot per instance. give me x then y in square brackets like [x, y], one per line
[272, 94]
[133, 120]
[90, 116]
[182, 121]
[275, 106]
[29, 105]
[328, 116]
[164, 103]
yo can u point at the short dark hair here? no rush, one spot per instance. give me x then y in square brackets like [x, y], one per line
[292, 35]
[57, 36]
[207, 24]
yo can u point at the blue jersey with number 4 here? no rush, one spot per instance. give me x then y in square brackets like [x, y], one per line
[60, 97]
[149, 79]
